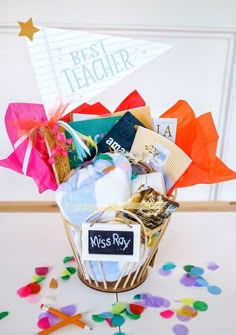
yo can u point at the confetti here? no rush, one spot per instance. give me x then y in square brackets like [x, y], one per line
[69, 259]
[201, 282]
[188, 268]
[53, 283]
[118, 307]
[212, 266]
[24, 291]
[132, 316]
[167, 314]
[187, 281]
[187, 301]
[34, 298]
[71, 270]
[164, 272]
[42, 271]
[195, 272]
[119, 333]
[69, 310]
[43, 323]
[3, 315]
[117, 320]
[180, 329]
[200, 306]
[38, 279]
[105, 315]
[183, 318]
[214, 290]
[97, 318]
[34, 287]
[168, 266]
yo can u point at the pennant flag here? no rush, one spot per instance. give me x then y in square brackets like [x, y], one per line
[74, 66]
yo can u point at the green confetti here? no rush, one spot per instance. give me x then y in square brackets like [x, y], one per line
[3, 315]
[118, 307]
[71, 269]
[200, 306]
[68, 259]
[39, 279]
[133, 316]
[137, 297]
[65, 277]
[188, 268]
[97, 318]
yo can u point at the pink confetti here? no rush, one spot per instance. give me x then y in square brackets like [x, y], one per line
[42, 271]
[34, 298]
[167, 314]
[24, 291]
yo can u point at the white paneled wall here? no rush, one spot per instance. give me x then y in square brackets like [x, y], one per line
[200, 68]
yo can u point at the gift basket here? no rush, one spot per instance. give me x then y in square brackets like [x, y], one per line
[115, 177]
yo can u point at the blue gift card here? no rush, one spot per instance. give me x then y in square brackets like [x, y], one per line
[120, 137]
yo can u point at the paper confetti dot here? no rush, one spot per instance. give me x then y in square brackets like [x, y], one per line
[188, 268]
[43, 323]
[117, 320]
[214, 290]
[38, 279]
[71, 270]
[187, 281]
[168, 266]
[180, 329]
[135, 309]
[34, 287]
[118, 307]
[212, 266]
[167, 314]
[65, 273]
[132, 316]
[196, 272]
[24, 291]
[105, 315]
[200, 306]
[53, 283]
[201, 282]
[183, 318]
[42, 271]
[187, 301]
[164, 272]
[69, 310]
[96, 318]
[68, 259]
[3, 315]
[34, 298]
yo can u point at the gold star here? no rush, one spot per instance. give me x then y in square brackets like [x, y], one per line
[27, 29]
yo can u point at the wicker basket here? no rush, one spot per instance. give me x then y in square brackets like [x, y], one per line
[132, 274]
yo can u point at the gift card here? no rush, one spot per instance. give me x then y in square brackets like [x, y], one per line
[120, 137]
[162, 154]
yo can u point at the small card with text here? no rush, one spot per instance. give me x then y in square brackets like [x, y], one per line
[165, 127]
[111, 241]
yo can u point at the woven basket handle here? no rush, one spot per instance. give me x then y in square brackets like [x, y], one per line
[134, 216]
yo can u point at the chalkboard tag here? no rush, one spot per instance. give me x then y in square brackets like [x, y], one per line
[111, 242]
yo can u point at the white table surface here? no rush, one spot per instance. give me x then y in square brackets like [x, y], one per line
[30, 240]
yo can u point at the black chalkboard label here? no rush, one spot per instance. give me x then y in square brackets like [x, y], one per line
[109, 241]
